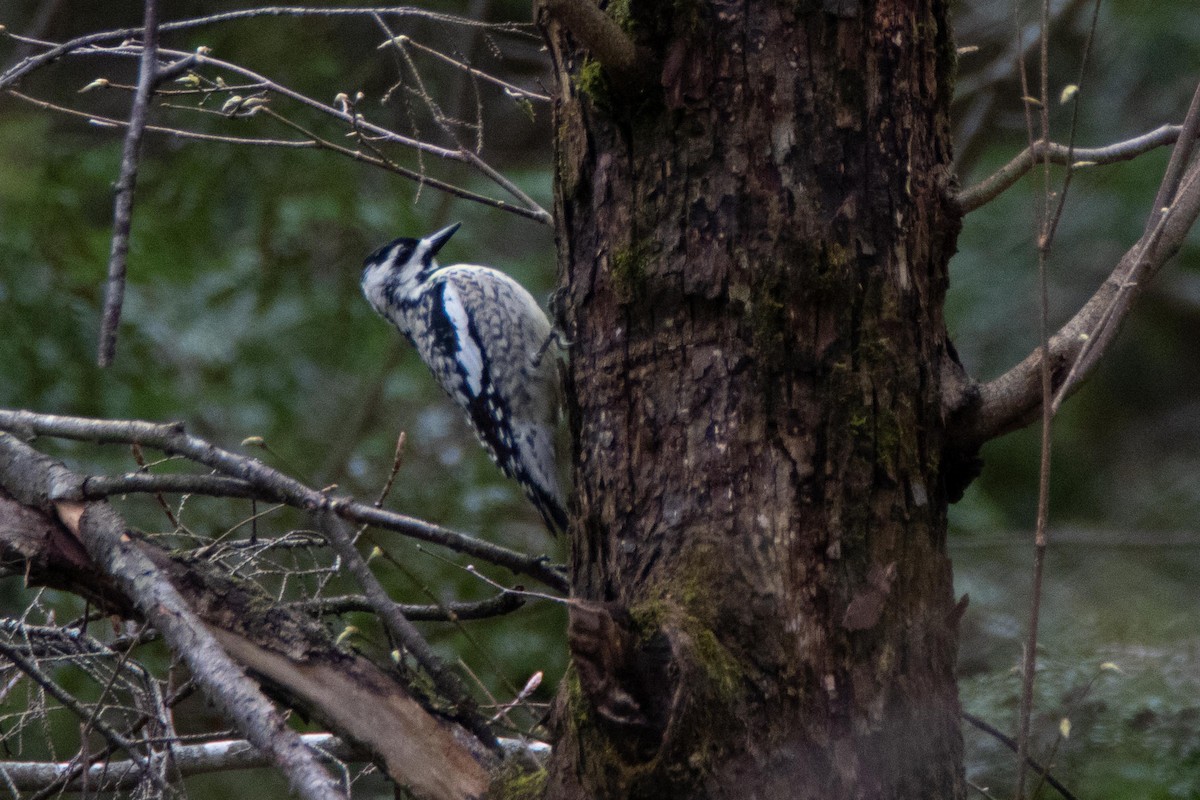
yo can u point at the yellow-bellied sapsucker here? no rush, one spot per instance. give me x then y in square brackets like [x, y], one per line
[487, 342]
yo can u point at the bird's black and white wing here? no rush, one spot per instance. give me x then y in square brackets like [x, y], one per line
[488, 348]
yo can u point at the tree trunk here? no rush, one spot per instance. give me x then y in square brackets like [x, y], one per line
[754, 250]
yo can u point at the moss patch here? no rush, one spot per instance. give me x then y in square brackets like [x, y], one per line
[629, 270]
[687, 611]
[591, 81]
[515, 781]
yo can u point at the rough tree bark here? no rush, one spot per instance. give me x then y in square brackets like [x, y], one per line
[753, 242]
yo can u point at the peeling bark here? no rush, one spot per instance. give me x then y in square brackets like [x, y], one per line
[754, 263]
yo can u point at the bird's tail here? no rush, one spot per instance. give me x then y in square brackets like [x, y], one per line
[550, 507]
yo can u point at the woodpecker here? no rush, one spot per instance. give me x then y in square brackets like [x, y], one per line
[487, 343]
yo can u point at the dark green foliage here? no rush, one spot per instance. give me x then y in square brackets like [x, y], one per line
[243, 314]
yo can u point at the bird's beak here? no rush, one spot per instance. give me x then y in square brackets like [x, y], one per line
[441, 237]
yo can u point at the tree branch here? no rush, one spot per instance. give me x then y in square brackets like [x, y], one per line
[509, 88]
[312, 143]
[1011, 744]
[997, 183]
[55, 52]
[97, 487]
[114, 295]
[981, 412]
[401, 630]
[273, 485]
[294, 656]
[503, 603]
[532, 209]
[1181, 156]
[194, 759]
[139, 767]
[186, 760]
[37, 481]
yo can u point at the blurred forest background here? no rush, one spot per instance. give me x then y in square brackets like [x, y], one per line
[244, 319]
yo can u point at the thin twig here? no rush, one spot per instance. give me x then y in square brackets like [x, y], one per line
[273, 485]
[1174, 183]
[401, 630]
[140, 460]
[465, 153]
[114, 296]
[57, 51]
[511, 88]
[1181, 156]
[186, 760]
[52, 786]
[988, 410]
[439, 117]
[503, 603]
[1044, 243]
[484, 651]
[113, 736]
[1011, 744]
[383, 134]
[533, 210]
[397, 462]
[1097, 339]
[313, 142]
[1060, 206]
[997, 183]
[541, 215]
[107, 122]
[51, 487]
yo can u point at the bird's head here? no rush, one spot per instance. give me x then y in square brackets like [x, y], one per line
[398, 268]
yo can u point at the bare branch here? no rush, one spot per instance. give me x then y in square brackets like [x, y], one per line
[89, 46]
[106, 122]
[997, 183]
[114, 295]
[465, 153]
[510, 88]
[186, 760]
[1011, 744]
[978, 92]
[173, 440]
[36, 480]
[75, 768]
[401, 630]
[57, 51]
[134, 51]
[139, 768]
[102, 486]
[1181, 156]
[989, 410]
[503, 603]
[358, 123]
[97, 487]
[285, 650]
[313, 142]
[195, 759]
[1050, 216]
[532, 210]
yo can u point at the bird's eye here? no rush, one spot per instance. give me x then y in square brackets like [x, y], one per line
[403, 253]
